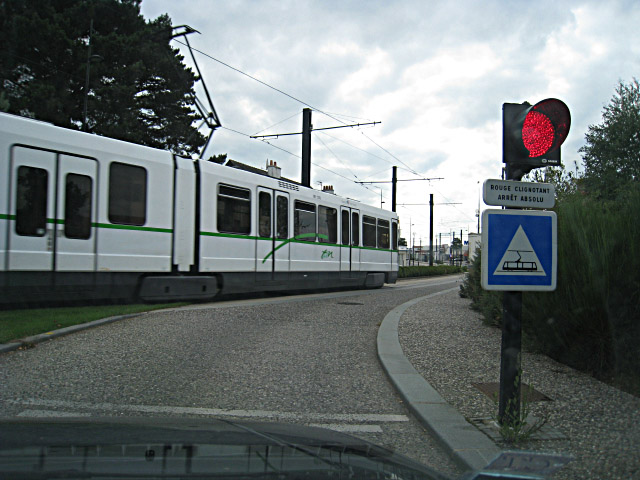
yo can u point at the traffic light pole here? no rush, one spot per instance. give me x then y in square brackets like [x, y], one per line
[510, 355]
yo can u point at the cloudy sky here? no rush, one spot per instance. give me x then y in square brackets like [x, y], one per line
[434, 73]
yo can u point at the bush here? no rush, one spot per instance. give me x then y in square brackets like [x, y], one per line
[488, 303]
[592, 320]
[425, 271]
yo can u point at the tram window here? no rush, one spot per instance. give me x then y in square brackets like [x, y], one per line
[304, 221]
[327, 225]
[355, 229]
[234, 209]
[31, 202]
[77, 206]
[383, 233]
[127, 194]
[368, 231]
[282, 206]
[264, 215]
[345, 227]
[394, 232]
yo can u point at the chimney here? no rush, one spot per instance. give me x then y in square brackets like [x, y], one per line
[273, 170]
[328, 189]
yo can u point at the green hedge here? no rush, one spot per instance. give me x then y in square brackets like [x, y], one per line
[425, 271]
[592, 320]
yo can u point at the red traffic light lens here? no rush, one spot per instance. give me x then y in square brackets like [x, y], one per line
[545, 127]
[537, 133]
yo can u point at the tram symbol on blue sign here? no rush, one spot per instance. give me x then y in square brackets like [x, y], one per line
[519, 250]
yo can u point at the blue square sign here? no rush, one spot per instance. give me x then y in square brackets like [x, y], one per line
[519, 250]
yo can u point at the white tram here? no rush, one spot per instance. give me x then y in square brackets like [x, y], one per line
[84, 217]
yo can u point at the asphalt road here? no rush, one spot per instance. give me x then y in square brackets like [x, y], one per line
[307, 359]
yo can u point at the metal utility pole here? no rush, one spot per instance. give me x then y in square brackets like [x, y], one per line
[410, 242]
[306, 147]
[431, 204]
[394, 183]
[307, 128]
[431, 229]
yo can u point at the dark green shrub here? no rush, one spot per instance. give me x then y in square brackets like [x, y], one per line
[426, 271]
[592, 320]
[489, 304]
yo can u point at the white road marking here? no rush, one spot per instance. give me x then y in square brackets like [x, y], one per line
[161, 409]
[347, 428]
[50, 414]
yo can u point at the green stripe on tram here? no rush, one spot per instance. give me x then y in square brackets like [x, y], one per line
[132, 227]
[59, 221]
[297, 239]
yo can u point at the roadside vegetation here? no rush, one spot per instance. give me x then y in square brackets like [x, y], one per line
[17, 324]
[426, 271]
[592, 321]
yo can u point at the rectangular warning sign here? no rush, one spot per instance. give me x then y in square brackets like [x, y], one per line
[519, 250]
[509, 193]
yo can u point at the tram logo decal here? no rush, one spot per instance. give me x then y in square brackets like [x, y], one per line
[299, 237]
[326, 254]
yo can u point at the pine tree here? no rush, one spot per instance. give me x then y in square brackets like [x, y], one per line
[139, 88]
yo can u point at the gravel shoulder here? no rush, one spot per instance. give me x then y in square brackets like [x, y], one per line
[452, 349]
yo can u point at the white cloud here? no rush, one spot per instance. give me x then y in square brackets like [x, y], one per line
[435, 73]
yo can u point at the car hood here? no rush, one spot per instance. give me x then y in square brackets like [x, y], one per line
[191, 448]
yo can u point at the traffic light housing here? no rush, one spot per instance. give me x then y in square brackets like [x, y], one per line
[532, 134]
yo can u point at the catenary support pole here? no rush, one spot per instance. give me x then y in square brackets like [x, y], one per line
[394, 183]
[306, 147]
[431, 229]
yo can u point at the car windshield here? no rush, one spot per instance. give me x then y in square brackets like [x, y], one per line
[321, 238]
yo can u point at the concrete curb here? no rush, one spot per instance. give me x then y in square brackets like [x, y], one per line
[43, 337]
[464, 442]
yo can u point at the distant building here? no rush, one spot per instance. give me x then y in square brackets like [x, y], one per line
[474, 243]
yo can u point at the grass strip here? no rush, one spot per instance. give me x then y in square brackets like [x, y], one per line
[15, 324]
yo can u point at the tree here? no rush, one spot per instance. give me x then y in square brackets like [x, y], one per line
[564, 181]
[611, 157]
[139, 89]
[220, 158]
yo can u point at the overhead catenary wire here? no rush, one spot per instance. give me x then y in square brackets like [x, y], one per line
[357, 148]
[276, 124]
[333, 116]
[330, 115]
[295, 155]
[338, 158]
[201, 107]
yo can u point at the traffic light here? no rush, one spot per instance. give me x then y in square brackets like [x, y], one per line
[532, 135]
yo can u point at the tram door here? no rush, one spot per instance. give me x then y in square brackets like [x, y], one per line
[52, 208]
[272, 245]
[350, 240]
